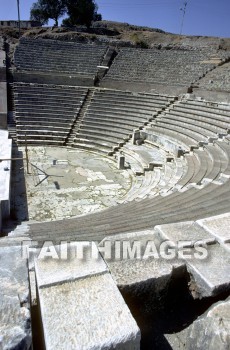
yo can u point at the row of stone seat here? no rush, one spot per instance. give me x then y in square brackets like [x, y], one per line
[217, 80]
[53, 55]
[200, 125]
[45, 114]
[112, 115]
[137, 274]
[204, 165]
[161, 66]
[178, 206]
[201, 191]
[155, 174]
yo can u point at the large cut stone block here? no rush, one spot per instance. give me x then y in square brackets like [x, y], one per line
[211, 331]
[211, 275]
[209, 271]
[81, 306]
[15, 329]
[137, 265]
[218, 226]
[189, 232]
[72, 262]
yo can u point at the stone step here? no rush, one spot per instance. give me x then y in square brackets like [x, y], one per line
[138, 267]
[209, 274]
[80, 297]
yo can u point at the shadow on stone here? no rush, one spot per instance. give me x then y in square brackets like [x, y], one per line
[171, 311]
[37, 329]
[19, 207]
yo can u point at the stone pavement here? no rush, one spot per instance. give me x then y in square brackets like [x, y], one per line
[65, 183]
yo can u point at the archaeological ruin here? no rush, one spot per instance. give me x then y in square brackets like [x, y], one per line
[114, 193]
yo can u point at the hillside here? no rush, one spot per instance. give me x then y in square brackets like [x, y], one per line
[119, 34]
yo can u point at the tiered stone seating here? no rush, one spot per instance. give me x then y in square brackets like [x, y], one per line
[217, 80]
[45, 113]
[170, 67]
[196, 122]
[202, 189]
[113, 115]
[179, 206]
[193, 134]
[58, 56]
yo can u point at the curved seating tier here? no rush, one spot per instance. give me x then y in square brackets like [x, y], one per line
[58, 56]
[45, 114]
[217, 80]
[112, 116]
[172, 67]
[201, 188]
[196, 122]
[151, 173]
[178, 206]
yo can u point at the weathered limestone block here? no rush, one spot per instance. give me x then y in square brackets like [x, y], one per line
[211, 330]
[144, 275]
[218, 226]
[189, 232]
[210, 276]
[210, 272]
[72, 262]
[80, 305]
[15, 328]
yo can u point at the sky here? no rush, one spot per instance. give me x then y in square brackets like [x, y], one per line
[202, 17]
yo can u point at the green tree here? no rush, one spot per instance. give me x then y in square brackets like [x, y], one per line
[43, 10]
[37, 14]
[82, 12]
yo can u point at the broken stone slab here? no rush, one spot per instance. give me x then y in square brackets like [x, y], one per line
[209, 267]
[15, 322]
[217, 226]
[145, 273]
[178, 340]
[211, 331]
[81, 306]
[210, 276]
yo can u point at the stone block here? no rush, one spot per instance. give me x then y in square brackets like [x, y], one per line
[81, 306]
[188, 232]
[218, 226]
[209, 269]
[121, 162]
[136, 273]
[73, 261]
[87, 314]
[15, 328]
[211, 330]
[210, 276]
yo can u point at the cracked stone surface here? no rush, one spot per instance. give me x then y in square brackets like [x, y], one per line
[64, 183]
[15, 331]
[209, 332]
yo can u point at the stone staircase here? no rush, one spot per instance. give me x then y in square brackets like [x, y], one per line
[12, 126]
[76, 125]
